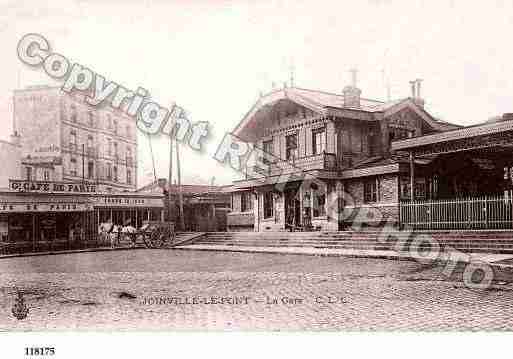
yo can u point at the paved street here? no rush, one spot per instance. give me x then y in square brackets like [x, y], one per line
[199, 290]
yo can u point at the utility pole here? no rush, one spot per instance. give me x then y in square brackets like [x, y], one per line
[180, 197]
[170, 179]
[83, 163]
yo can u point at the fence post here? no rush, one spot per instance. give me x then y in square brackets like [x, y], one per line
[485, 209]
[430, 209]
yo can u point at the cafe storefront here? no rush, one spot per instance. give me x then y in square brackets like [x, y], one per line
[47, 216]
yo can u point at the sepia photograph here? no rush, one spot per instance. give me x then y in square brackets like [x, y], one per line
[236, 166]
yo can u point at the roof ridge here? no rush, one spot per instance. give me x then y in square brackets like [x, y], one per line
[339, 94]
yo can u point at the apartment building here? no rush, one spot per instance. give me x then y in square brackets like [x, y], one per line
[62, 138]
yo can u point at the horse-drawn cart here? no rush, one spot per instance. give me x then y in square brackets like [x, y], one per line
[157, 234]
[154, 234]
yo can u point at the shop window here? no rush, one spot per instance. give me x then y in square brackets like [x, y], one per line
[246, 204]
[319, 141]
[291, 146]
[73, 166]
[370, 190]
[319, 202]
[268, 205]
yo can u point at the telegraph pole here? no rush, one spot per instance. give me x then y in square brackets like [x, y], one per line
[170, 179]
[180, 197]
[83, 163]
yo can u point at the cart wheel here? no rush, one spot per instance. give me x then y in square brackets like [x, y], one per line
[158, 238]
[147, 240]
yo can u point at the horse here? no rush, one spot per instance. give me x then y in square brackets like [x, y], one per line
[114, 233]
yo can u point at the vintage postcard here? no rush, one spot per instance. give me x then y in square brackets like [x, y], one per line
[255, 166]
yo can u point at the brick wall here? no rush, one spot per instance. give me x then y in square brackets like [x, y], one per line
[387, 203]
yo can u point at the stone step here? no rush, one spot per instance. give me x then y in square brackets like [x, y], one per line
[449, 243]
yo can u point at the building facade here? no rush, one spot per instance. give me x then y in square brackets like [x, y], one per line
[322, 155]
[205, 207]
[10, 157]
[62, 138]
[50, 215]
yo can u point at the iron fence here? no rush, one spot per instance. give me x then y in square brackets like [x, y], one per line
[493, 212]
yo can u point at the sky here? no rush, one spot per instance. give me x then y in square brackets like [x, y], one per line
[214, 57]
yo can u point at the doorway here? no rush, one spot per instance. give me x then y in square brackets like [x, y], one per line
[292, 209]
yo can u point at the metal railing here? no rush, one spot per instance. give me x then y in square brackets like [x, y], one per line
[491, 212]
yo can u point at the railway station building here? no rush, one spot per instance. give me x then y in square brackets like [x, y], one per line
[330, 160]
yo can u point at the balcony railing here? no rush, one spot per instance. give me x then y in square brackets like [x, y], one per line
[321, 161]
[77, 149]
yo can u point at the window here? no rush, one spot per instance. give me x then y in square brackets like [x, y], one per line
[405, 188]
[129, 156]
[128, 177]
[109, 122]
[46, 175]
[73, 115]
[28, 173]
[370, 190]
[371, 144]
[90, 115]
[268, 151]
[128, 132]
[73, 166]
[73, 140]
[319, 141]
[115, 126]
[109, 147]
[90, 141]
[397, 133]
[319, 202]
[115, 174]
[109, 171]
[115, 149]
[90, 169]
[291, 146]
[246, 204]
[268, 204]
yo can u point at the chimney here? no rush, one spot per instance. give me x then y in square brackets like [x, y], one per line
[162, 183]
[507, 117]
[15, 138]
[415, 92]
[352, 93]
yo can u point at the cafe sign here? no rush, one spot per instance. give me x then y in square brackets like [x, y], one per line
[44, 207]
[51, 187]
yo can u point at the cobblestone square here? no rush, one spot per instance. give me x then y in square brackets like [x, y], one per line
[199, 290]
